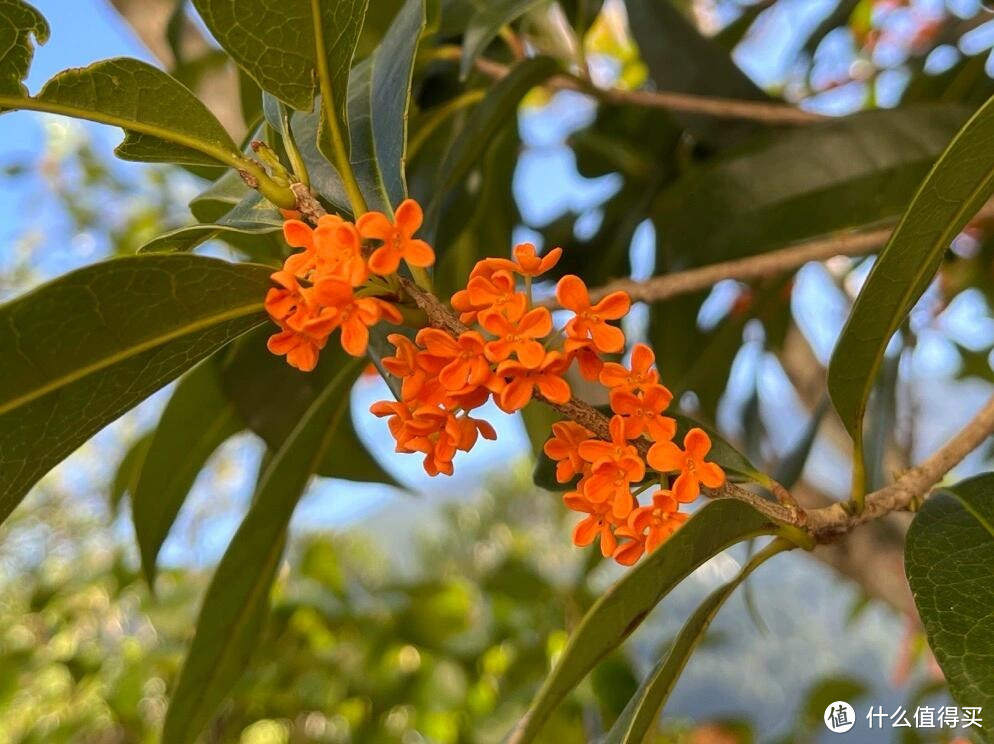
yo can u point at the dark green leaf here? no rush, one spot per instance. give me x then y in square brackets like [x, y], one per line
[195, 422]
[715, 527]
[643, 709]
[237, 602]
[379, 94]
[83, 349]
[18, 23]
[791, 467]
[253, 215]
[489, 117]
[948, 559]
[220, 197]
[681, 59]
[162, 120]
[271, 397]
[485, 24]
[128, 470]
[957, 186]
[845, 173]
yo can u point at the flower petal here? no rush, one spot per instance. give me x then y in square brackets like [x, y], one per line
[571, 293]
[408, 217]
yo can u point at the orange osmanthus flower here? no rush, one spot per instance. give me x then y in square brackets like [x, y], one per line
[527, 262]
[495, 293]
[463, 358]
[517, 336]
[640, 377]
[564, 449]
[516, 383]
[667, 457]
[397, 238]
[590, 321]
[643, 413]
[597, 523]
[353, 315]
[657, 521]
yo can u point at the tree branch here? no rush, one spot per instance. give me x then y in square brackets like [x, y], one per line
[780, 261]
[689, 103]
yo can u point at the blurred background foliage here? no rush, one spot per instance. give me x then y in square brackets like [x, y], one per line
[437, 624]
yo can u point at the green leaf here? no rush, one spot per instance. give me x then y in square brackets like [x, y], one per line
[271, 397]
[957, 186]
[490, 116]
[681, 59]
[253, 215]
[195, 422]
[128, 471]
[18, 23]
[162, 120]
[237, 602]
[81, 350]
[791, 467]
[379, 95]
[715, 527]
[223, 195]
[845, 173]
[485, 24]
[948, 559]
[642, 711]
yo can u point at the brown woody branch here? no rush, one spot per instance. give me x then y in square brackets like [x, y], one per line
[688, 103]
[780, 261]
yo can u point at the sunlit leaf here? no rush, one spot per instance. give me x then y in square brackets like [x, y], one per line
[83, 349]
[18, 23]
[288, 47]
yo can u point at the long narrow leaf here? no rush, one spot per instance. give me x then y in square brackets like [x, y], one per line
[717, 526]
[642, 711]
[237, 601]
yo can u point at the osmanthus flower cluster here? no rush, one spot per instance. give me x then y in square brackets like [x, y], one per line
[334, 283]
[511, 353]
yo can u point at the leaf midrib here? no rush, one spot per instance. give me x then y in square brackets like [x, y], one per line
[945, 237]
[130, 352]
[38, 104]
